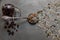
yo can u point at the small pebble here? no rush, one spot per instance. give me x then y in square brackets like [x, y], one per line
[5, 27]
[48, 3]
[17, 26]
[39, 11]
[12, 33]
[52, 26]
[49, 7]
[48, 35]
[58, 14]
[55, 35]
[8, 31]
[55, 19]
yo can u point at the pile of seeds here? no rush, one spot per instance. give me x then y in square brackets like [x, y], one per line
[50, 20]
[11, 27]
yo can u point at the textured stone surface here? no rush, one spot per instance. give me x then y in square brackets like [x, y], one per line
[27, 31]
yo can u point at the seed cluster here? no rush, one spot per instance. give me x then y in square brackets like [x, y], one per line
[11, 27]
[50, 20]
